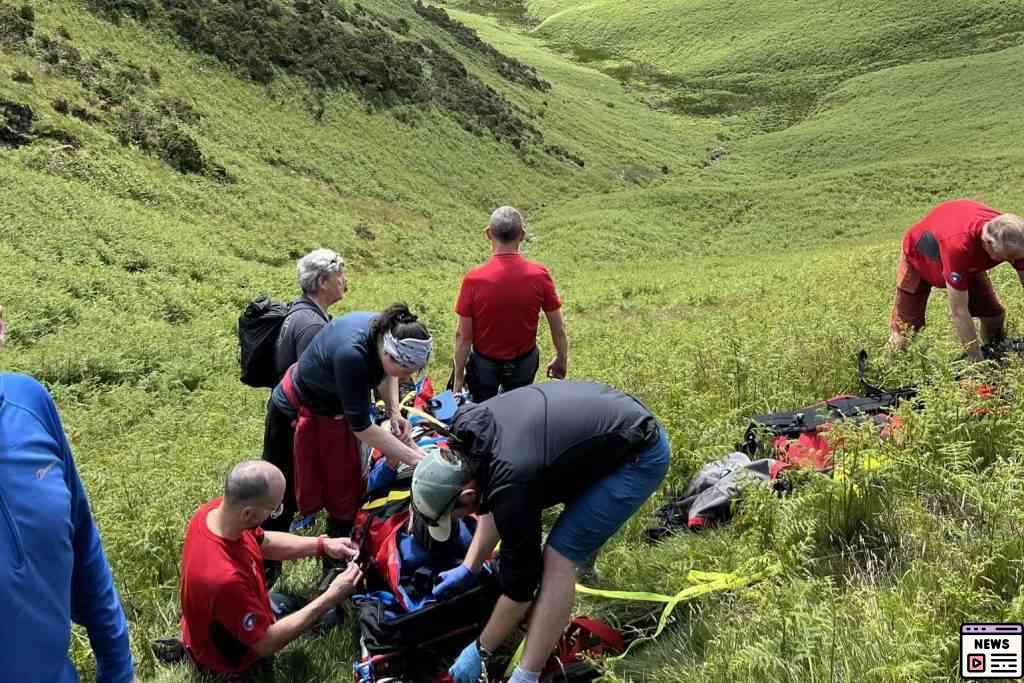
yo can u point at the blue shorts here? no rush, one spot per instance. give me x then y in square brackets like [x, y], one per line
[590, 520]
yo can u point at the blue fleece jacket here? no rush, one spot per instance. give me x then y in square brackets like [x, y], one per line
[52, 567]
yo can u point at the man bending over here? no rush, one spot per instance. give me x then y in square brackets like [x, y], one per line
[952, 248]
[596, 449]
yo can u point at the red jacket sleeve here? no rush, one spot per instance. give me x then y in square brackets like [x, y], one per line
[243, 612]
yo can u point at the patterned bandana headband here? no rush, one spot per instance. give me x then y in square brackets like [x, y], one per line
[411, 354]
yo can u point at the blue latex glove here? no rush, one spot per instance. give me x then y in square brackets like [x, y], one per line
[468, 667]
[455, 581]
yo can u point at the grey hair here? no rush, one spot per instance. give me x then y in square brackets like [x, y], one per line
[248, 482]
[506, 224]
[314, 265]
[1007, 230]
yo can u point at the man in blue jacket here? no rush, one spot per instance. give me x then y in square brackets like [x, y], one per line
[52, 567]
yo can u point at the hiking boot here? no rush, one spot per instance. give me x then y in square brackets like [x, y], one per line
[283, 604]
[169, 651]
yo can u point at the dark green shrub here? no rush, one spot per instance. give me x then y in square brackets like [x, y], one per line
[333, 48]
[178, 108]
[155, 135]
[15, 28]
[15, 123]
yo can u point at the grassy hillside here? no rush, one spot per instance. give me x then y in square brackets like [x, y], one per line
[726, 57]
[725, 248]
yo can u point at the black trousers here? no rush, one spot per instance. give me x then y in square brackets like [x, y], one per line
[278, 449]
[485, 377]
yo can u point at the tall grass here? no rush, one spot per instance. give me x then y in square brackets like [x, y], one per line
[716, 265]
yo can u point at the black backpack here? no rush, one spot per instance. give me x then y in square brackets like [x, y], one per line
[876, 404]
[258, 329]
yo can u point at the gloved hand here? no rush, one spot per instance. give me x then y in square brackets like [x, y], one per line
[455, 581]
[468, 667]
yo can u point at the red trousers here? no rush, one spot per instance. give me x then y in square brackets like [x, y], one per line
[328, 469]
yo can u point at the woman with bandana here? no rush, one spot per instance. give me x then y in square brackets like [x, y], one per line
[320, 411]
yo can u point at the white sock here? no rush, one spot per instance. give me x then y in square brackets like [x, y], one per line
[520, 676]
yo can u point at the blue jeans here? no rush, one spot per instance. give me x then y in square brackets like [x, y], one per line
[590, 520]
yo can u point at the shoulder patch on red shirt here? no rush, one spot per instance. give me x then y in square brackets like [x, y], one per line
[249, 621]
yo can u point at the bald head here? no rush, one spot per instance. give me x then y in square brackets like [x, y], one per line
[251, 482]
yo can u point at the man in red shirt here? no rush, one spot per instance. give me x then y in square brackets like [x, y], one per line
[499, 307]
[227, 622]
[955, 245]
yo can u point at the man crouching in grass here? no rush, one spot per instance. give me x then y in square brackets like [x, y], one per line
[228, 623]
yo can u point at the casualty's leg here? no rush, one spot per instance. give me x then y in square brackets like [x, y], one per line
[551, 610]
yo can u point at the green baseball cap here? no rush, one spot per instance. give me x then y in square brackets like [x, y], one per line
[436, 485]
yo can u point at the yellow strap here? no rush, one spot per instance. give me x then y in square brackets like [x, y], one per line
[514, 662]
[390, 498]
[426, 416]
[707, 582]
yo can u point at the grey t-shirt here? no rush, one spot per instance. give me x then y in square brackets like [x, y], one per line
[297, 331]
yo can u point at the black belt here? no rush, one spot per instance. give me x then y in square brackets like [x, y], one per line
[499, 361]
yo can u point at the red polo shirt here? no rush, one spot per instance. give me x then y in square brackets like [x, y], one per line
[945, 247]
[225, 608]
[504, 298]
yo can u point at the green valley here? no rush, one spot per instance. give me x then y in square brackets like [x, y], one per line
[719, 190]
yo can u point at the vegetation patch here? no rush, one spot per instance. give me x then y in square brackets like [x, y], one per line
[357, 50]
[17, 127]
[15, 124]
[509, 68]
[17, 24]
[133, 111]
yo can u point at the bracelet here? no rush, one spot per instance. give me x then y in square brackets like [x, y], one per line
[320, 549]
[485, 658]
